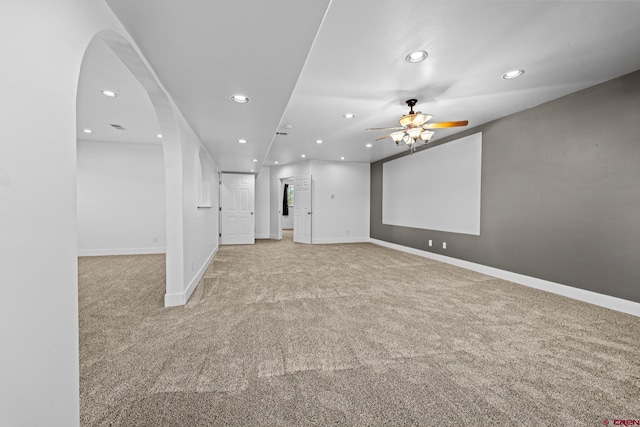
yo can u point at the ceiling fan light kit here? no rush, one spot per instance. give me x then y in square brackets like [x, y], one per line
[397, 136]
[427, 135]
[415, 127]
[414, 133]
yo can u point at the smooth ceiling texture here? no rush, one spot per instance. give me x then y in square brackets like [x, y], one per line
[131, 109]
[307, 63]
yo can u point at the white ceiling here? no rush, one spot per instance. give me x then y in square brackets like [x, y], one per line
[308, 62]
[131, 109]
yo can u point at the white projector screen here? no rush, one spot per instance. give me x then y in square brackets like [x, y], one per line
[435, 189]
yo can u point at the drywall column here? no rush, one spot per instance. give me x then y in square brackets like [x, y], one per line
[42, 44]
[191, 232]
[172, 152]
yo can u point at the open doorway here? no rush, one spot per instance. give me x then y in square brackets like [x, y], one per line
[287, 192]
[166, 236]
[120, 161]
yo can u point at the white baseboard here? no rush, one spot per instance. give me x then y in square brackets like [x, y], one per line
[122, 251]
[263, 236]
[172, 300]
[332, 240]
[613, 303]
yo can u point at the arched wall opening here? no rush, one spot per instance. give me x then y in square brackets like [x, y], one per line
[152, 161]
[120, 161]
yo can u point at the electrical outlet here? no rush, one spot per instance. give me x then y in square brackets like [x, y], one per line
[444, 245]
[430, 242]
[155, 240]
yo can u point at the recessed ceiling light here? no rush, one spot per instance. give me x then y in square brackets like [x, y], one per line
[349, 116]
[159, 135]
[254, 160]
[341, 158]
[318, 141]
[242, 141]
[416, 56]
[240, 99]
[288, 126]
[109, 93]
[369, 145]
[303, 155]
[513, 74]
[87, 130]
[251, 170]
[275, 163]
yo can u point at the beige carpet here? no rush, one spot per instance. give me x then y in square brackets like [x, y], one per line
[284, 334]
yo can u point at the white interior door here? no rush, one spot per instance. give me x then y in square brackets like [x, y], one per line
[302, 213]
[237, 207]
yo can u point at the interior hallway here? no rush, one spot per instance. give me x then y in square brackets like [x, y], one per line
[286, 334]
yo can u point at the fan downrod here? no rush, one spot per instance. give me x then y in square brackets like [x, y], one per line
[411, 103]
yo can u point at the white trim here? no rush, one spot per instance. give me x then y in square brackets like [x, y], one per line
[333, 240]
[122, 251]
[172, 300]
[607, 301]
[262, 236]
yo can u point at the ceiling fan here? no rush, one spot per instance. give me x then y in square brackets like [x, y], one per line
[415, 129]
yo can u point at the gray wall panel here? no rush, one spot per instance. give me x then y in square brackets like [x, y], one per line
[560, 193]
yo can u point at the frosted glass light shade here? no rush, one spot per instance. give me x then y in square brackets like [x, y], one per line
[397, 136]
[414, 132]
[427, 135]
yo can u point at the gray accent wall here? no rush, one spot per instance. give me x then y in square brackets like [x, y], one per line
[560, 193]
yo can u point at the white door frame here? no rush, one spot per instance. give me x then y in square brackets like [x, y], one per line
[281, 198]
[219, 209]
[238, 208]
[303, 210]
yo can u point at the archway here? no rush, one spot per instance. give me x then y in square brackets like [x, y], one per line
[171, 153]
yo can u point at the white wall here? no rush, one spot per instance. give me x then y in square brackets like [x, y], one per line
[347, 211]
[262, 204]
[121, 200]
[340, 202]
[42, 44]
[199, 225]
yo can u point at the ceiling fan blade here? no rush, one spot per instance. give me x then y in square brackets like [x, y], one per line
[386, 136]
[400, 128]
[441, 125]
